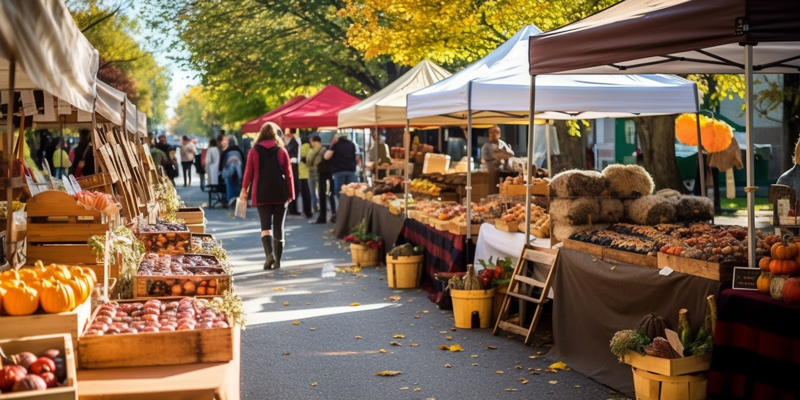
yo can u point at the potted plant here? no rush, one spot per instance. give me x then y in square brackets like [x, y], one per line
[404, 266]
[496, 274]
[472, 302]
[364, 246]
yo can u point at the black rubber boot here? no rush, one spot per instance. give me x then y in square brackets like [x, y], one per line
[266, 241]
[277, 250]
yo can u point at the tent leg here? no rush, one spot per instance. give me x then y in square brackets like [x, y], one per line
[469, 167]
[530, 169]
[9, 145]
[407, 145]
[750, 190]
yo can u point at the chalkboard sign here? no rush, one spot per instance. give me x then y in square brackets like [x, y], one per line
[745, 278]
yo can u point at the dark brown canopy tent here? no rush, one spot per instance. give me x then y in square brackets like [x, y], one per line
[679, 37]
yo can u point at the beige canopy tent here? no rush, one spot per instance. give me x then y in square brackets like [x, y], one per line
[387, 108]
[679, 36]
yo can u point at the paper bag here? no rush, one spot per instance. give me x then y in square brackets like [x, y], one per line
[241, 208]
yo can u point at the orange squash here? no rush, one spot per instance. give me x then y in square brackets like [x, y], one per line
[20, 300]
[2, 293]
[56, 297]
[79, 289]
[763, 263]
[786, 249]
[763, 282]
[90, 272]
[791, 291]
[783, 267]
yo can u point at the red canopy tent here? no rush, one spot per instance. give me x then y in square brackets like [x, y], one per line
[319, 110]
[255, 124]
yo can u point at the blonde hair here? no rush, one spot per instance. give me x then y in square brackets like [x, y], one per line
[268, 132]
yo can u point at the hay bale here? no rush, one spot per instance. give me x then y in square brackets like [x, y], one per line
[694, 208]
[671, 194]
[577, 183]
[651, 210]
[628, 180]
[611, 210]
[579, 211]
[559, 232]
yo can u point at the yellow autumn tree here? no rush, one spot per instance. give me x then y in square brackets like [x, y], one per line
[453, 33]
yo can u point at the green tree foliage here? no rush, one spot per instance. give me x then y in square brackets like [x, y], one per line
[124, 64]
[194, 115]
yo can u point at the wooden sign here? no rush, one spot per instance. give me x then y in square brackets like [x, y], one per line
[126, 173]
[109, 163]
[745, 278]
[148, 157]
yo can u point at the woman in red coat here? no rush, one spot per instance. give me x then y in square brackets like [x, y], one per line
[269, 171]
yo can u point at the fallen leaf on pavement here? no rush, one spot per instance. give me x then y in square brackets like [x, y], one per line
[395, 344]
[382, 351]
[417, 389]
[443, 347]
[388, 373]
[395, 298]
[448, 337]
[416, 317]
[358, 337]
[355, 304]
[398, 336]
[295, 322]
[286, 353]
[491, 347]
[277, 289]
[424, 311]
[312, 329]
[313, 383]
[533, 357]
[577, 386]
[552, 382]
[523, 380]
[456, 347]
[499, 371]
[447, 365]
[611, 391]
[413, 344]
[404, 388]
[559, 365]
[285, 303]
[474, 356]
[442, 331]
[474, 364]
[511, 390]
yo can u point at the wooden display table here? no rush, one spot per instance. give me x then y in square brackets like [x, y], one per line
[172, 382]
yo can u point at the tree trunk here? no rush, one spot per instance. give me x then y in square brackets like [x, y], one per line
[573, 150]
[657, 142]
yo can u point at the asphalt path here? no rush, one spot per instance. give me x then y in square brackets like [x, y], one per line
[318, 331]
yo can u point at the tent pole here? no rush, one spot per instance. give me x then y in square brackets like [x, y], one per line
[375, 143]
[12, 64]
[547, 143]
[700, 159]
[469, 167]
[530, 171]
[407, 146]
[750, 190]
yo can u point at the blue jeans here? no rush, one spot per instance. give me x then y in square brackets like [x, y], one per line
[233, 188]
[342, 178]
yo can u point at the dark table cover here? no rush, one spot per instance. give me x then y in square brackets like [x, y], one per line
[444, 252]
[594, 299]
[756, 347]
[386, 224]
[379, 220]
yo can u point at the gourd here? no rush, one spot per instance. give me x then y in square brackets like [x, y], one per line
[653, 326]
[90, 272]
[20, 300]
[763, 263]
[56, 297]
[471, 280]
[791, 291]
[28, 383]
[78, 290]
[455, 283]
[763, 281]
[783, 267]
[684, 330]
[776, 286]
[786, 249]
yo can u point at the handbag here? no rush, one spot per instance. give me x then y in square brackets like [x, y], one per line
[241, 208]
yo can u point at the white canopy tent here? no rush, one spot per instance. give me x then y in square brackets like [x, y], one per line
[387, 108]
[497, 89]
[109, 103]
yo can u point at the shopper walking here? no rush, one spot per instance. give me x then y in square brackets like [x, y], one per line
[60, 160]
[293, 148]
[170, 167]
[188, 151]
[231, 161]
[269, 171]
[212, 163]
[320, 170]
[344, 159]
[83, 164]
[302, 168]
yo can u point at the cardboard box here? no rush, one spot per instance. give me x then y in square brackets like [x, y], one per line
[436, 163]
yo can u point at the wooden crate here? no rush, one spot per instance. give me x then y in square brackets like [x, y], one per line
[461, 229]
[56, 217]
[669, 367]
[53, 253]
[161, 348]
[196, 228]
[190, 215]
[512, 226]
[180, 239]
[608, 253]
[36, 345]
[143, 285]
[520, 190]
[72, 323]
[440, 225]
[710, 270]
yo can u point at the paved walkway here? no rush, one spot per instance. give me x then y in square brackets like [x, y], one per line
[317, 333]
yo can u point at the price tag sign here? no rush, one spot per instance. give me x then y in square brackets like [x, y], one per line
[745, 278]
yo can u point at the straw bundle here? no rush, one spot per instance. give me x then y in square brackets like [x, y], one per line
[577, 183]
[611, 210]
[651, 210]
[628, 180]
[578, 211]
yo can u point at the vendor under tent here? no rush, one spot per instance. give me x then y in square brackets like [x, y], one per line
[316, 111]
[387, 108]
[674, 36]
[495, 90]
[254, 125]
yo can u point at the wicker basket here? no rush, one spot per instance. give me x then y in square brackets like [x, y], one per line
[364, 256]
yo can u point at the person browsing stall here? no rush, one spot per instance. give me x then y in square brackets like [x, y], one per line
[495, 151]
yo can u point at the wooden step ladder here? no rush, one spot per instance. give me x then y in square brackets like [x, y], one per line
[527, 288]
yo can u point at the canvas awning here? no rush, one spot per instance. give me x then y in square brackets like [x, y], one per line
[496, 90]
[319, 110]
[50, 52]
[255, 124]
[109, 103]
[387, 108]
[141, 126]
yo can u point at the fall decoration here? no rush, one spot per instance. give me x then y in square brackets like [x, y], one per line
[20, 299]
[715, 135]
[776, 286]
[785, 249]
[359, 235]
[57, 297]
[653, 325]
[791, 291]
[763, 281]
[764, 262]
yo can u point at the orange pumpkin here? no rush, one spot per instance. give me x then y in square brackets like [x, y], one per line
[20, 300]
[763, 282]
[90, 272]
[791, 291]
[786, 249]
[79, 289]
[783, 267]
[56, 297]
[2, 293]
[763, 263]
[59, 272]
